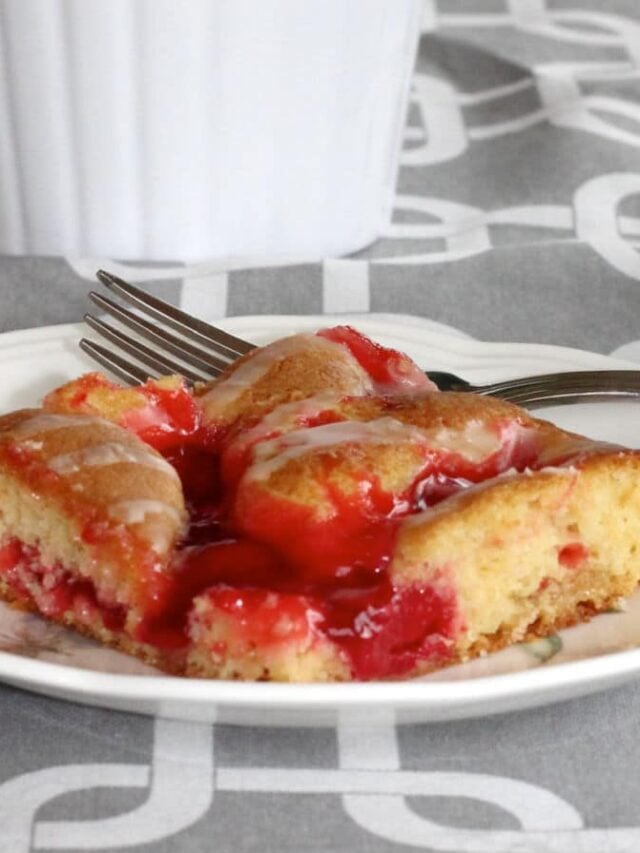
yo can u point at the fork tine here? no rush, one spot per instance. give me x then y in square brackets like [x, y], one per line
[192, 327]
[138, 350]
[186, 351]
[126, 370]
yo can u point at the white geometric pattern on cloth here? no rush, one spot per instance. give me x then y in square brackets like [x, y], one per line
[577, 26]
[594, 220]
[441, 135]
[182, 780]
[444, 135]
[596, 208]
[181, 751]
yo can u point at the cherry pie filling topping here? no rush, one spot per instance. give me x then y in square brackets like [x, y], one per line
[337, 567]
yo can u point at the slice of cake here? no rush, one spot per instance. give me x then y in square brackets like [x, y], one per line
[418, 531]
[90, 517]
[320, 512]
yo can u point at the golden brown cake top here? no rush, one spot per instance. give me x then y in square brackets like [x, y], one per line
[339, 361]
[96, 470]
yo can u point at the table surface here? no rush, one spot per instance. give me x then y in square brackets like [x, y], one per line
[517, 218]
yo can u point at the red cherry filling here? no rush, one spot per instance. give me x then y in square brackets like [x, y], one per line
[386, 631]
[382, 632]
[573, 555]
[263, 617]
[338, 566]
[163, 413]
[54, 590]
[389, 369]
[10, 554]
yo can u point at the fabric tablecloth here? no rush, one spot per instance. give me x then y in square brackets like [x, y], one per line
[517, 218]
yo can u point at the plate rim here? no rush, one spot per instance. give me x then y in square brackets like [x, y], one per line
[445, 694]
[67, 331]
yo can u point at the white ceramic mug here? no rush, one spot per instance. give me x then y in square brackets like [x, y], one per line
[162, 129]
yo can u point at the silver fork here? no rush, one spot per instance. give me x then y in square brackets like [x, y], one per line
[203, 351]
[213, 350]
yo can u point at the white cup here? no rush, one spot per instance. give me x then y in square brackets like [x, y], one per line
[195, 129]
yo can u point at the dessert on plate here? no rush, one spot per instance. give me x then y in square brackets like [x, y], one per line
[319, 512]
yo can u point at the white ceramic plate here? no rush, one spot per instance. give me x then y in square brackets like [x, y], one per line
[43, 658]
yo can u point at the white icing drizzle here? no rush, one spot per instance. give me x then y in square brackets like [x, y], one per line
[32, 444]
[227, 391]
[47, 422]
[475, 442]
[109, 453]
[136, 510]
[288, 416]
[271, 455]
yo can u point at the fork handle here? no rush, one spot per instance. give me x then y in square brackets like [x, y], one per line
[557, 389]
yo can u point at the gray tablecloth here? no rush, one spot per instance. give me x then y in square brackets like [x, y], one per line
[517, 218]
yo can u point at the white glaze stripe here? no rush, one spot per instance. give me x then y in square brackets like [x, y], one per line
[227, 391]
[475, 442]
[136, 511]
[109, 453]
[47, 422]
[271, 455]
